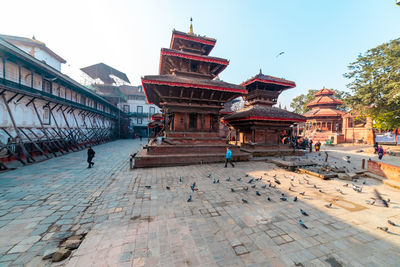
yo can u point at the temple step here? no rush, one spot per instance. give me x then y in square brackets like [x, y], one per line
[144, 160]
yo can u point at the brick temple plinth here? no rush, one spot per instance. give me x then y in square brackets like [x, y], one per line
[191, 96]
[259, 126]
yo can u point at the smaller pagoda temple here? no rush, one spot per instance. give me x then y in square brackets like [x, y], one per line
[324, 120]
[259, 126]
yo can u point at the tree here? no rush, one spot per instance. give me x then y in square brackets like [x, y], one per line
[299, 103]
[375, 83]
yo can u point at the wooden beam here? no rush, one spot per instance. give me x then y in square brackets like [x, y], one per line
[24, 151]
[34, 143]
[14, 96]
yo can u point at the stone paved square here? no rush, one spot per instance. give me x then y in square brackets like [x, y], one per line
[125, 223]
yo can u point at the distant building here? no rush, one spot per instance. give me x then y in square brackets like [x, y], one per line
[137, 108]
[36, 49]
[114, 86]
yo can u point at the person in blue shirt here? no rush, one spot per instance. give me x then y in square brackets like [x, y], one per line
[228, 157]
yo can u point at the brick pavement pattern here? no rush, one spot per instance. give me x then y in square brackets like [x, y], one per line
[129, 224]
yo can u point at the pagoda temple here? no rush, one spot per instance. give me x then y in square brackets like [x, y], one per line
[324, 120]
[259, 126]
[190, 95]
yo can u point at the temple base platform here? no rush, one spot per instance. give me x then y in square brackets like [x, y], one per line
[260, 150]
[186, 154]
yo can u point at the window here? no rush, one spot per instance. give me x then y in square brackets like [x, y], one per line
[46, 86]
[46, 116]
[139, 120]
[152, 110]
[139, 109]
[192, 121]
[193, 67]
[126, 108]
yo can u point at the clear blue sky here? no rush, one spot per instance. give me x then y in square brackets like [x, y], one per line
[319, 37]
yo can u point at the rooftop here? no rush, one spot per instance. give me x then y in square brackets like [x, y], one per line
[269, 80]
[103, 72]
[258, 112]
[16, 40]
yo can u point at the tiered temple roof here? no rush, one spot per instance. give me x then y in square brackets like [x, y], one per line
[324, 105]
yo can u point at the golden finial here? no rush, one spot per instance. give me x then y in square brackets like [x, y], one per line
[191, 27]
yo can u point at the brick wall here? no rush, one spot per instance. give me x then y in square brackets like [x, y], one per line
[389, 171]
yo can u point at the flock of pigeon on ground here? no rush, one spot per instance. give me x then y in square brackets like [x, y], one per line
[274, 182]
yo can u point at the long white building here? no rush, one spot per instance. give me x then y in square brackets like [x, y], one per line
[44, 113]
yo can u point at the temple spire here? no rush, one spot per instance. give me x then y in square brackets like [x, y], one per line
[260, 71]
[191, 27]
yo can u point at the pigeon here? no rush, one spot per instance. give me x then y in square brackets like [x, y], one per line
[303, 212]
[302, 224]
[291, 179]
[190, 198]
[251, 180]
[269, 199]
[168, 187]
[246, 175]
[283, 198]
[148, 186]
[364, 182]
[218, 181]
[228, 179]
[346, 185]
[357, 188]
[258, 193]
[283, 194]
[340, 191]
[274, 176]
[180, 179]
[300, 182]
[385, 229]
[253, 186]
[238, 179]
[193, 186]
[295, 199]
[328, 205]
[392, 223]
[277, 181]
[302, 193]
[214, 181]
[209, 176]
[378, 196]
[264, 186]
[269, 184]
[244, 200]
[292, 184]
[320, 191]
[246, 188]
[232, 190]
[281, 53]
[315, 187]
[370, 202]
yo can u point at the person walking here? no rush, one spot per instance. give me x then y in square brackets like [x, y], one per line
[376, 147]
[381, 152]
[90, 156]
[310, 143]
[228, 157]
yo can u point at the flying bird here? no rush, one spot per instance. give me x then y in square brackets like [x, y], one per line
[281, 53]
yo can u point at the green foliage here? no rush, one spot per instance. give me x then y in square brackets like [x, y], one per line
[299, 103]
[375, 82]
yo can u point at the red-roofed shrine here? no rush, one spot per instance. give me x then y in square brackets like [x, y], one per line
[260, 126]
[191, 96]
[324, 119]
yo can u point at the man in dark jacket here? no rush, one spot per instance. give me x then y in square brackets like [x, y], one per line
[90, 156]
